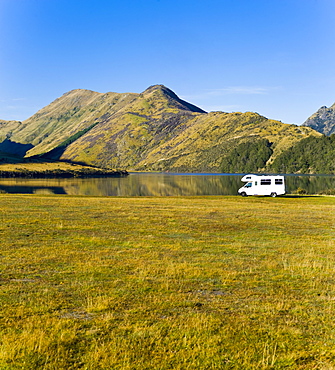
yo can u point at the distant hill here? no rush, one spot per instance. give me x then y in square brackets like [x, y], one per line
[310, 155]
[151, 131]
[323, 120]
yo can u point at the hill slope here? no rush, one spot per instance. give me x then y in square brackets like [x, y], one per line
[154, 130]
[323, 120]
[310, 155]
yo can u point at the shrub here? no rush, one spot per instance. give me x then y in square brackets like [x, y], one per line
[301, 191]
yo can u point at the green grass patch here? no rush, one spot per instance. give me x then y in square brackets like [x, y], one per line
[167, 283]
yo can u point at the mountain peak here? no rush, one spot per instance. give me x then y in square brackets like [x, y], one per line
[172, 97]
[161, 88]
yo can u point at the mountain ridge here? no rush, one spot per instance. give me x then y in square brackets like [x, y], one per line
[151, 131]
[323, 120]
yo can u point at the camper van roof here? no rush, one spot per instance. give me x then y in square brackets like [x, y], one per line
[250, 177]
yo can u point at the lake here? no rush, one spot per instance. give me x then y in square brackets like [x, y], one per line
[157, 184]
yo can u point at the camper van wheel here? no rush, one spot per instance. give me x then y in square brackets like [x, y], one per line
[244, 194]
[273, 195]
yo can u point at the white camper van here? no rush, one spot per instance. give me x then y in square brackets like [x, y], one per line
[262, 185]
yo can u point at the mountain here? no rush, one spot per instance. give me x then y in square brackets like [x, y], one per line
[323, 120]
[152, 131]
[80, 110]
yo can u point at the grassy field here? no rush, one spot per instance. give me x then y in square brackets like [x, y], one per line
[41, 166]
[167, 283]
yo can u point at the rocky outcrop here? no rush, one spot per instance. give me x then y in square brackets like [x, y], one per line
[323, 120]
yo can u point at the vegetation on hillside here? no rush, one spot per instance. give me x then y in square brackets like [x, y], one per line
[310, 155]
[57, 152]
[249, 156]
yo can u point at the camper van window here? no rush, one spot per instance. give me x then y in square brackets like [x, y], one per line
[279, 181]
[249, 185]
[265, 181]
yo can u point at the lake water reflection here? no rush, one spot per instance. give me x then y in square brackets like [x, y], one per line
[156, 184]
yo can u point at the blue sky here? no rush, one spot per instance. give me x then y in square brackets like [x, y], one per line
[274, 57]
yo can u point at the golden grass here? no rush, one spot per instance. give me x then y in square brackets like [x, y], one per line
[167, 283]
[41, 166]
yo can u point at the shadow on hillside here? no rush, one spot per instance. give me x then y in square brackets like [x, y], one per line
[17, 149]
[53, 154]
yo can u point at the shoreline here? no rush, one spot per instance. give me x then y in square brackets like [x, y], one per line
[53, 174]
[52, 170]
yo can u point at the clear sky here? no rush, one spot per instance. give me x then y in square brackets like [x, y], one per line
[274, 57]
